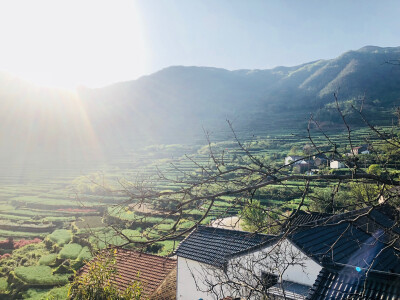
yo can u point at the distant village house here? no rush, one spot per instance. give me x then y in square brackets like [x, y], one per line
[335, 164]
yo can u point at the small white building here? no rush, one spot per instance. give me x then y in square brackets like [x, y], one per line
[335, 164]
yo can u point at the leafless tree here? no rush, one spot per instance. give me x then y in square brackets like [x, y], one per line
[232, 180]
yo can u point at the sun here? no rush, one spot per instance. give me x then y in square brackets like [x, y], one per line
[71, 43]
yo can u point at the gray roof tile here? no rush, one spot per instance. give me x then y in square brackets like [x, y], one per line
[212, 245]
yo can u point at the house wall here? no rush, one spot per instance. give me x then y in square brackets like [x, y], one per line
[194, 278]
[284, 259]
[191, 280]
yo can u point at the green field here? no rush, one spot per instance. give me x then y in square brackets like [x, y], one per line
[72, 213]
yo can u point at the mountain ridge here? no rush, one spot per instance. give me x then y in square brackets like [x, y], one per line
[181, 100]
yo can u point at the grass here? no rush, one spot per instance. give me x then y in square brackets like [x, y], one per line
[3, 284]
[47, 260]
[103, 237]
[40, 275]
[47, 196]
[17, 234]
[90, 221]
[58, 293]
[168, 247]
[70, 251]
[84, 255]
[60, 236]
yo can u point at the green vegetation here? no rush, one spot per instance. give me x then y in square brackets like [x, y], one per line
[60, 236]
[96, 283]
[40, 275]
[70, 251]
[81, 229]
[3, 284]
[48, 260]
[58, 293]
[85, 254]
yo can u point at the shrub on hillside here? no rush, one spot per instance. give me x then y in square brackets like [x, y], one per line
[55, 293]
[48, 260]
[85, 254]
[60, 236]
[40, 275]
[21, 243]
[3, 284]
[70, 251]
[5, 255]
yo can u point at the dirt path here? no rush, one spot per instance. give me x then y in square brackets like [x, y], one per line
[228, 223]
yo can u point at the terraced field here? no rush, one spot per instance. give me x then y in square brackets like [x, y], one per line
[79, 201]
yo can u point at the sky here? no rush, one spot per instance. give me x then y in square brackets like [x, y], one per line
[96, 43]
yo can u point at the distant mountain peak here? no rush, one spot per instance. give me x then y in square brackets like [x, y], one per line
[376, 49]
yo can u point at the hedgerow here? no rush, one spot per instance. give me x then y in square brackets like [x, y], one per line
[47, 260]
[60, 236]
[85, 254]
[70, 251]
[40, 275]
[3, 284]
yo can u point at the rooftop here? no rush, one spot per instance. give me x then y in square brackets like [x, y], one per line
[363, 238]
[152, 269]
[349, 284]
[213, 245]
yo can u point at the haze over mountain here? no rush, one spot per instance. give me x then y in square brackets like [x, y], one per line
[178, 101]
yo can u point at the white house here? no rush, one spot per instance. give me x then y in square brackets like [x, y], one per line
[322, 257]
[335, 164]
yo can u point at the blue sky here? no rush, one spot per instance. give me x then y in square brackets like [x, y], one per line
[95, 43]
[262, 34]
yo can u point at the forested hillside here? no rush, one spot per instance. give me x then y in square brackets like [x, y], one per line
[177, 102]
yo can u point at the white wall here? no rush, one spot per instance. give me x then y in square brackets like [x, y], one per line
[284, 259]
[191, 278]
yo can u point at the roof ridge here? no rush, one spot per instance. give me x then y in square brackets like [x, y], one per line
[143, 253]
[335, 218]
[233, 230]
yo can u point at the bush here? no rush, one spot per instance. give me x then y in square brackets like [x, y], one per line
[97, 282]
[41, 294]
[60, 236]
[48, 260]
[3, 284]
[84, 254]
[70, 251]
[40, 275]
[21, 243]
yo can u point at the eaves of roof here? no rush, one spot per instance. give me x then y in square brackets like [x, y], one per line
[213, 246]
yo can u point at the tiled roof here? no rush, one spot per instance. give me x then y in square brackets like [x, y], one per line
[350, 284]
[300, 217]
[152, 269]
[213, 245]
[167, 289]
[362, 239]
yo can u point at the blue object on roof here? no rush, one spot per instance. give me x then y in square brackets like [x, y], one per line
[344, 284]
[358, 239]
[213, 245]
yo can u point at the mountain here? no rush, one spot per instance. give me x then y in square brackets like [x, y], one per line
[178, 101]
[187, 97]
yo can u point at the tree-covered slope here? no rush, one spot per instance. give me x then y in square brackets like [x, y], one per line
[178, 101]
